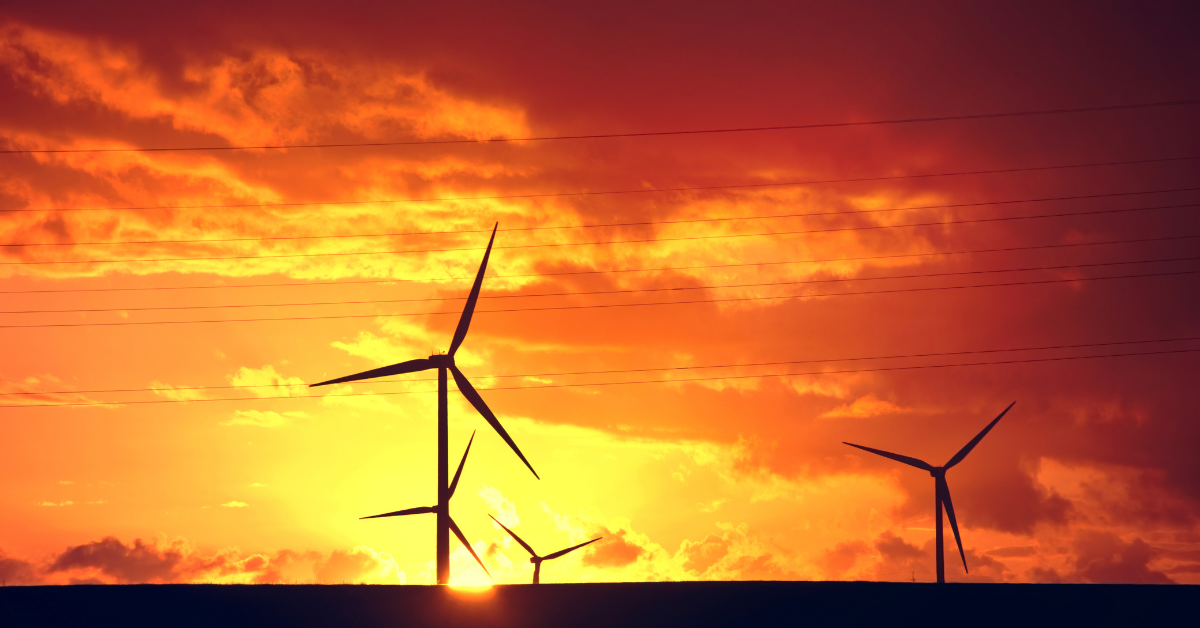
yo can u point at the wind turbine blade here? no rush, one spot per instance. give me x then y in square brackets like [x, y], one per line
[411, 366]
[462, 539]
[962, 453]
[515, 537]
[469, 392]
[571, 549]
[464, 322]
[944, 488]
[400, 513]
[920, 464]
[457, 474]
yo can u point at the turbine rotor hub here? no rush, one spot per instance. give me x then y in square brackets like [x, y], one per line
[938, 472]
[535, 559]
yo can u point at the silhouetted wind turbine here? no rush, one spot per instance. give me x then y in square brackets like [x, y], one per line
[534, 558]
[443, 509]
[941, 490]
[443, 363]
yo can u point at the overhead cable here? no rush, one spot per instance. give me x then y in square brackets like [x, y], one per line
[624, 383]
[641, 190]
[1089, 345]
[604, 292]
[643, 223]
[591, 136]
[944, 223]
[611, 305]
[616, 270]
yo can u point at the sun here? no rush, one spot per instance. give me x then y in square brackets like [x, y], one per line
[471, 581]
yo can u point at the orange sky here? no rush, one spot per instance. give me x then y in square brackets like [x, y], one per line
[1091, 478]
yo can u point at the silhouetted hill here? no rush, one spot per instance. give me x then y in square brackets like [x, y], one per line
[616, 605]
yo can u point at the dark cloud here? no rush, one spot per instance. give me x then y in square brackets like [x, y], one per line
[1103, 557]
[16, 571]
[616, 550]
[698, 557]
[901, 560]
[842, 557]
[139, 562]
[110, 560]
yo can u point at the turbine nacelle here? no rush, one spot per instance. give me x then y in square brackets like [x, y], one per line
[938, 472]
[441, 360]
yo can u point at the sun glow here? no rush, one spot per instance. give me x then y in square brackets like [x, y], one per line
[471, 581]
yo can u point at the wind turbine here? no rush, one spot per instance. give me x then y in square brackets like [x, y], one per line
[443, 363]
[534, 558]
[941, 490]
[441, 509]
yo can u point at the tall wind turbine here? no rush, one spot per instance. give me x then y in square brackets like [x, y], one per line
[440, 509]
[534, 558]
[443, 363]
[941, 490]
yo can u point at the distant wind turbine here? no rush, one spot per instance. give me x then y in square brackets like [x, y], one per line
[534, 558]
[941, 490]
[443, 509]
[443, 363]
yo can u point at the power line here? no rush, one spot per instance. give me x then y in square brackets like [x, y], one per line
[636, 241]
[1089, 345]
[703, 188]
[651, 381]
[546, 138]
[603, 292]
[607, 225]
[612, 305]
[617, 270]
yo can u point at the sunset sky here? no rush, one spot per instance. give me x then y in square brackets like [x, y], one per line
[164, 311]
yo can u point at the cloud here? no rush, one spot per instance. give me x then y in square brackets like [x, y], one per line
[264, 418]
[1102, 557]
[864, 407]
[266, 96]
[29, 392]
[16, 571]
[266, 382]
[139, 562]
[505, 511]
[235, 504]
[734, 554]
[109, 560]
[176, 393]
[618, 550]
[358, 566]
[841, 558]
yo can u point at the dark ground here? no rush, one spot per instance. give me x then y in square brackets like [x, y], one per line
[636, 604]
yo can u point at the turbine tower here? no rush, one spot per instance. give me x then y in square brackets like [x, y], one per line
[440, 509]
[534, 558]
[941, 490]
[443, 363]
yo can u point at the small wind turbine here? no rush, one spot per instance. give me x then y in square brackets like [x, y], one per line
[441, 509]
[941, 490]
[534, 558]
[443, 363]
